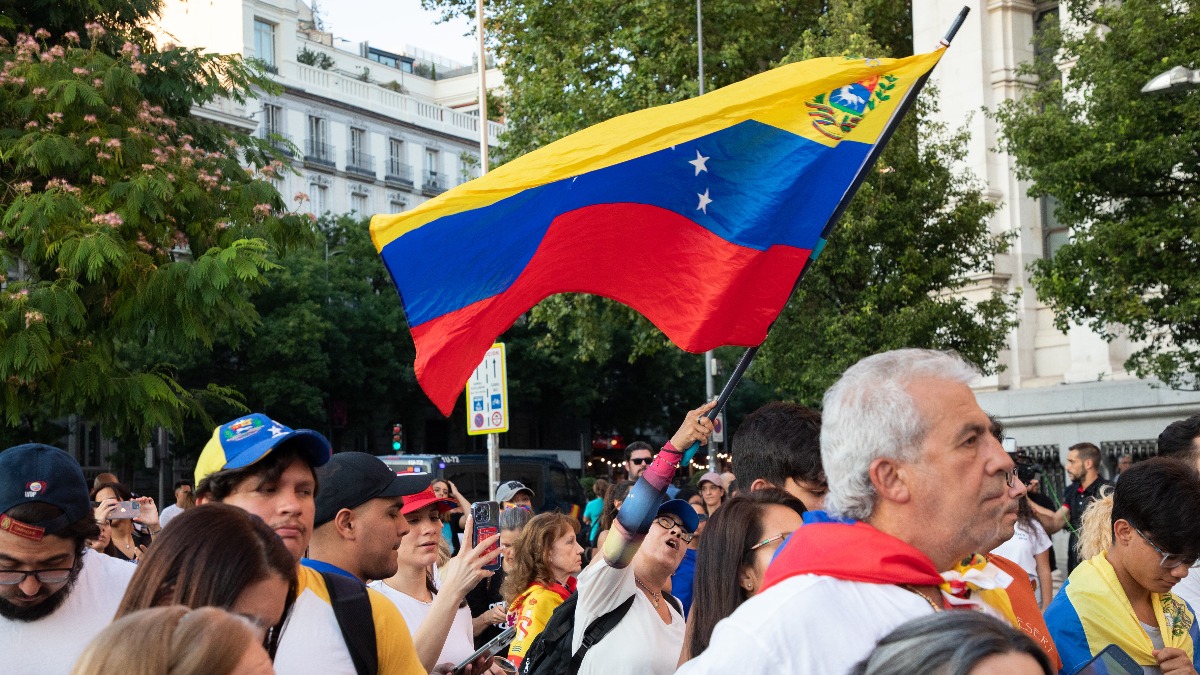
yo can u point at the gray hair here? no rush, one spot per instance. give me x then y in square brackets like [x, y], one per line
[947, 643]
[514, 519]
[868, 414]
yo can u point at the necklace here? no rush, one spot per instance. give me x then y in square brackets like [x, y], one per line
[924, 597]
[654, 597]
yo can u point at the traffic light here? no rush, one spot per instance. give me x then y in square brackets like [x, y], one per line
[397, 437]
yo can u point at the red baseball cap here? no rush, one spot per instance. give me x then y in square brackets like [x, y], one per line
[427, 498]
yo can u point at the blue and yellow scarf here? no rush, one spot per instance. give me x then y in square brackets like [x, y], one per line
[1091, 611]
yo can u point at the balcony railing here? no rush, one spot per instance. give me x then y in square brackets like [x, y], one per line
[435, 183]
[316, 152]
[359, 162]
[398, 173]
[280, 141]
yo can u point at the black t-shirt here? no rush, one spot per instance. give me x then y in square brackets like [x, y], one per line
[480, 599]
[1078, 499]
[1048, 504]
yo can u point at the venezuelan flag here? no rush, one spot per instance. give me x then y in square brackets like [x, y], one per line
[700, 215]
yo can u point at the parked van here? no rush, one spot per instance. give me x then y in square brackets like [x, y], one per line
[555, 487]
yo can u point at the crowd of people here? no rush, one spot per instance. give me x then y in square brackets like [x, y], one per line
[890, 532]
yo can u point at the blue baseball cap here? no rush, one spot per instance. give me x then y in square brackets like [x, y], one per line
[40, 473]
[244, 441]
[683, 511]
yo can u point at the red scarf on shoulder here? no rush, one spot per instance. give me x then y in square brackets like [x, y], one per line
[852, 552]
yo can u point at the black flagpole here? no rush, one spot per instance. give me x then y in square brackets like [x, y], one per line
[901, 110]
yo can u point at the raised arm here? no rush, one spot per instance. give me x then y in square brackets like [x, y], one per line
[638, 510]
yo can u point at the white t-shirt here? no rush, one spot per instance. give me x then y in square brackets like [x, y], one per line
[168, 513]
[641, 643]
[1188, 588]
[807, 624]
[1156, 640]
[1024, 546]
[460, 641]
[52, 645]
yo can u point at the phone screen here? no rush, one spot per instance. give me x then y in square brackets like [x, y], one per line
[492, 648]
[1112, 660]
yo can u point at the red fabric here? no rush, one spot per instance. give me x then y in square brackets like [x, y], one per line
[1025, 607]
[706, 294]
[856, 552]
[563, 591]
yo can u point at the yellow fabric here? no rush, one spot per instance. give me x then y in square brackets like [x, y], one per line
[977, 580]
[778, 98]
[1108, 618]
[529, 613]
[393, 640]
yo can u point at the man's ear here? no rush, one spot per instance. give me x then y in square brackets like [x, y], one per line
[761, 484]
[1122, 531]
[344, 522]
[890, 480]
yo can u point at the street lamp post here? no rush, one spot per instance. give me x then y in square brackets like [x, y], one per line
[1176, 78]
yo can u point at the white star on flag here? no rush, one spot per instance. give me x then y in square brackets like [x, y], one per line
[704, 202]
[275, 430]
[699, 163]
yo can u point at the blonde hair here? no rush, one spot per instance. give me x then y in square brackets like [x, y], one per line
[1095, 526]
[173, 640]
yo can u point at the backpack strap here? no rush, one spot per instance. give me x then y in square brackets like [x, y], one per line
[598, 628]
[675, 602]
[352, 608]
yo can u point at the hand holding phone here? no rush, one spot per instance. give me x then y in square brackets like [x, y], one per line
[485, 522]
[1112, 660]
[492, 648]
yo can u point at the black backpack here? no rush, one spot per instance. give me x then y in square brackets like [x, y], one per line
[352, 606]
[550, 652]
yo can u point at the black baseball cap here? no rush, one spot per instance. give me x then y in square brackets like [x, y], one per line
[41, 473]
[350, 479]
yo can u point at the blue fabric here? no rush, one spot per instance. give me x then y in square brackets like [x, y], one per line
[1067, 632]
[684, 580]
[326, 567]
[592, 512]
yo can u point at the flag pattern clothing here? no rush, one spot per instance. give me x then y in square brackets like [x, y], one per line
[1091, 611]
[700, 215]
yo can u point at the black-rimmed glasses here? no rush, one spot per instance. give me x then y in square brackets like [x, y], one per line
[670, 524]
[53, 576]
[1169, 560]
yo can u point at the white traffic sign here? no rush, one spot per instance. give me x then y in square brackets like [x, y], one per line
[718, 434]
[487, 395]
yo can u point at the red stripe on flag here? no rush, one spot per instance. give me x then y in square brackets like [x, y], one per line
[679, 275]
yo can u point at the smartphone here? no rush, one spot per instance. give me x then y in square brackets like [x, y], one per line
[126, 510]
[486, 519]
[492, 648]
[1112, 660]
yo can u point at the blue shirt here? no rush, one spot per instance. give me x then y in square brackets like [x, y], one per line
[326, 567]
[684, 580]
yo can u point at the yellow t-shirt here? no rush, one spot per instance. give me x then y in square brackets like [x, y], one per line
[530, 612]
[312, 642]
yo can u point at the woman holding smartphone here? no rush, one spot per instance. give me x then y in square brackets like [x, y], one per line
[125, 541]
[541, 574]
[435, 609]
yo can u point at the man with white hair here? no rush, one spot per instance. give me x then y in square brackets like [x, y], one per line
[916, 485]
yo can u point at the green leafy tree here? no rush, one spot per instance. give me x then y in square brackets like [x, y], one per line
[128, 228]
[1125, 171]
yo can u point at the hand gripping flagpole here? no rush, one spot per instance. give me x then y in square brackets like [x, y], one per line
[901, 110]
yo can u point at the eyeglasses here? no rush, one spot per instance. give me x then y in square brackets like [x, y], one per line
[769, 540]
[670, 524]
[54, 576]
[1169, 560]
[640, 460]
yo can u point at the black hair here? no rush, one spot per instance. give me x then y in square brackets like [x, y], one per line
[723, 552]
[617, 492]
[947, 643]
[219, 485]
[637, 445]
[1161, 498]
[1087, 451]
[123, 493]
[686, 493]
[181, 483]
[1176, 440]
[776, 442]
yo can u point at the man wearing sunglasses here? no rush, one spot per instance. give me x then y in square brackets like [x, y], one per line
[55, 593]
[638, 456]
